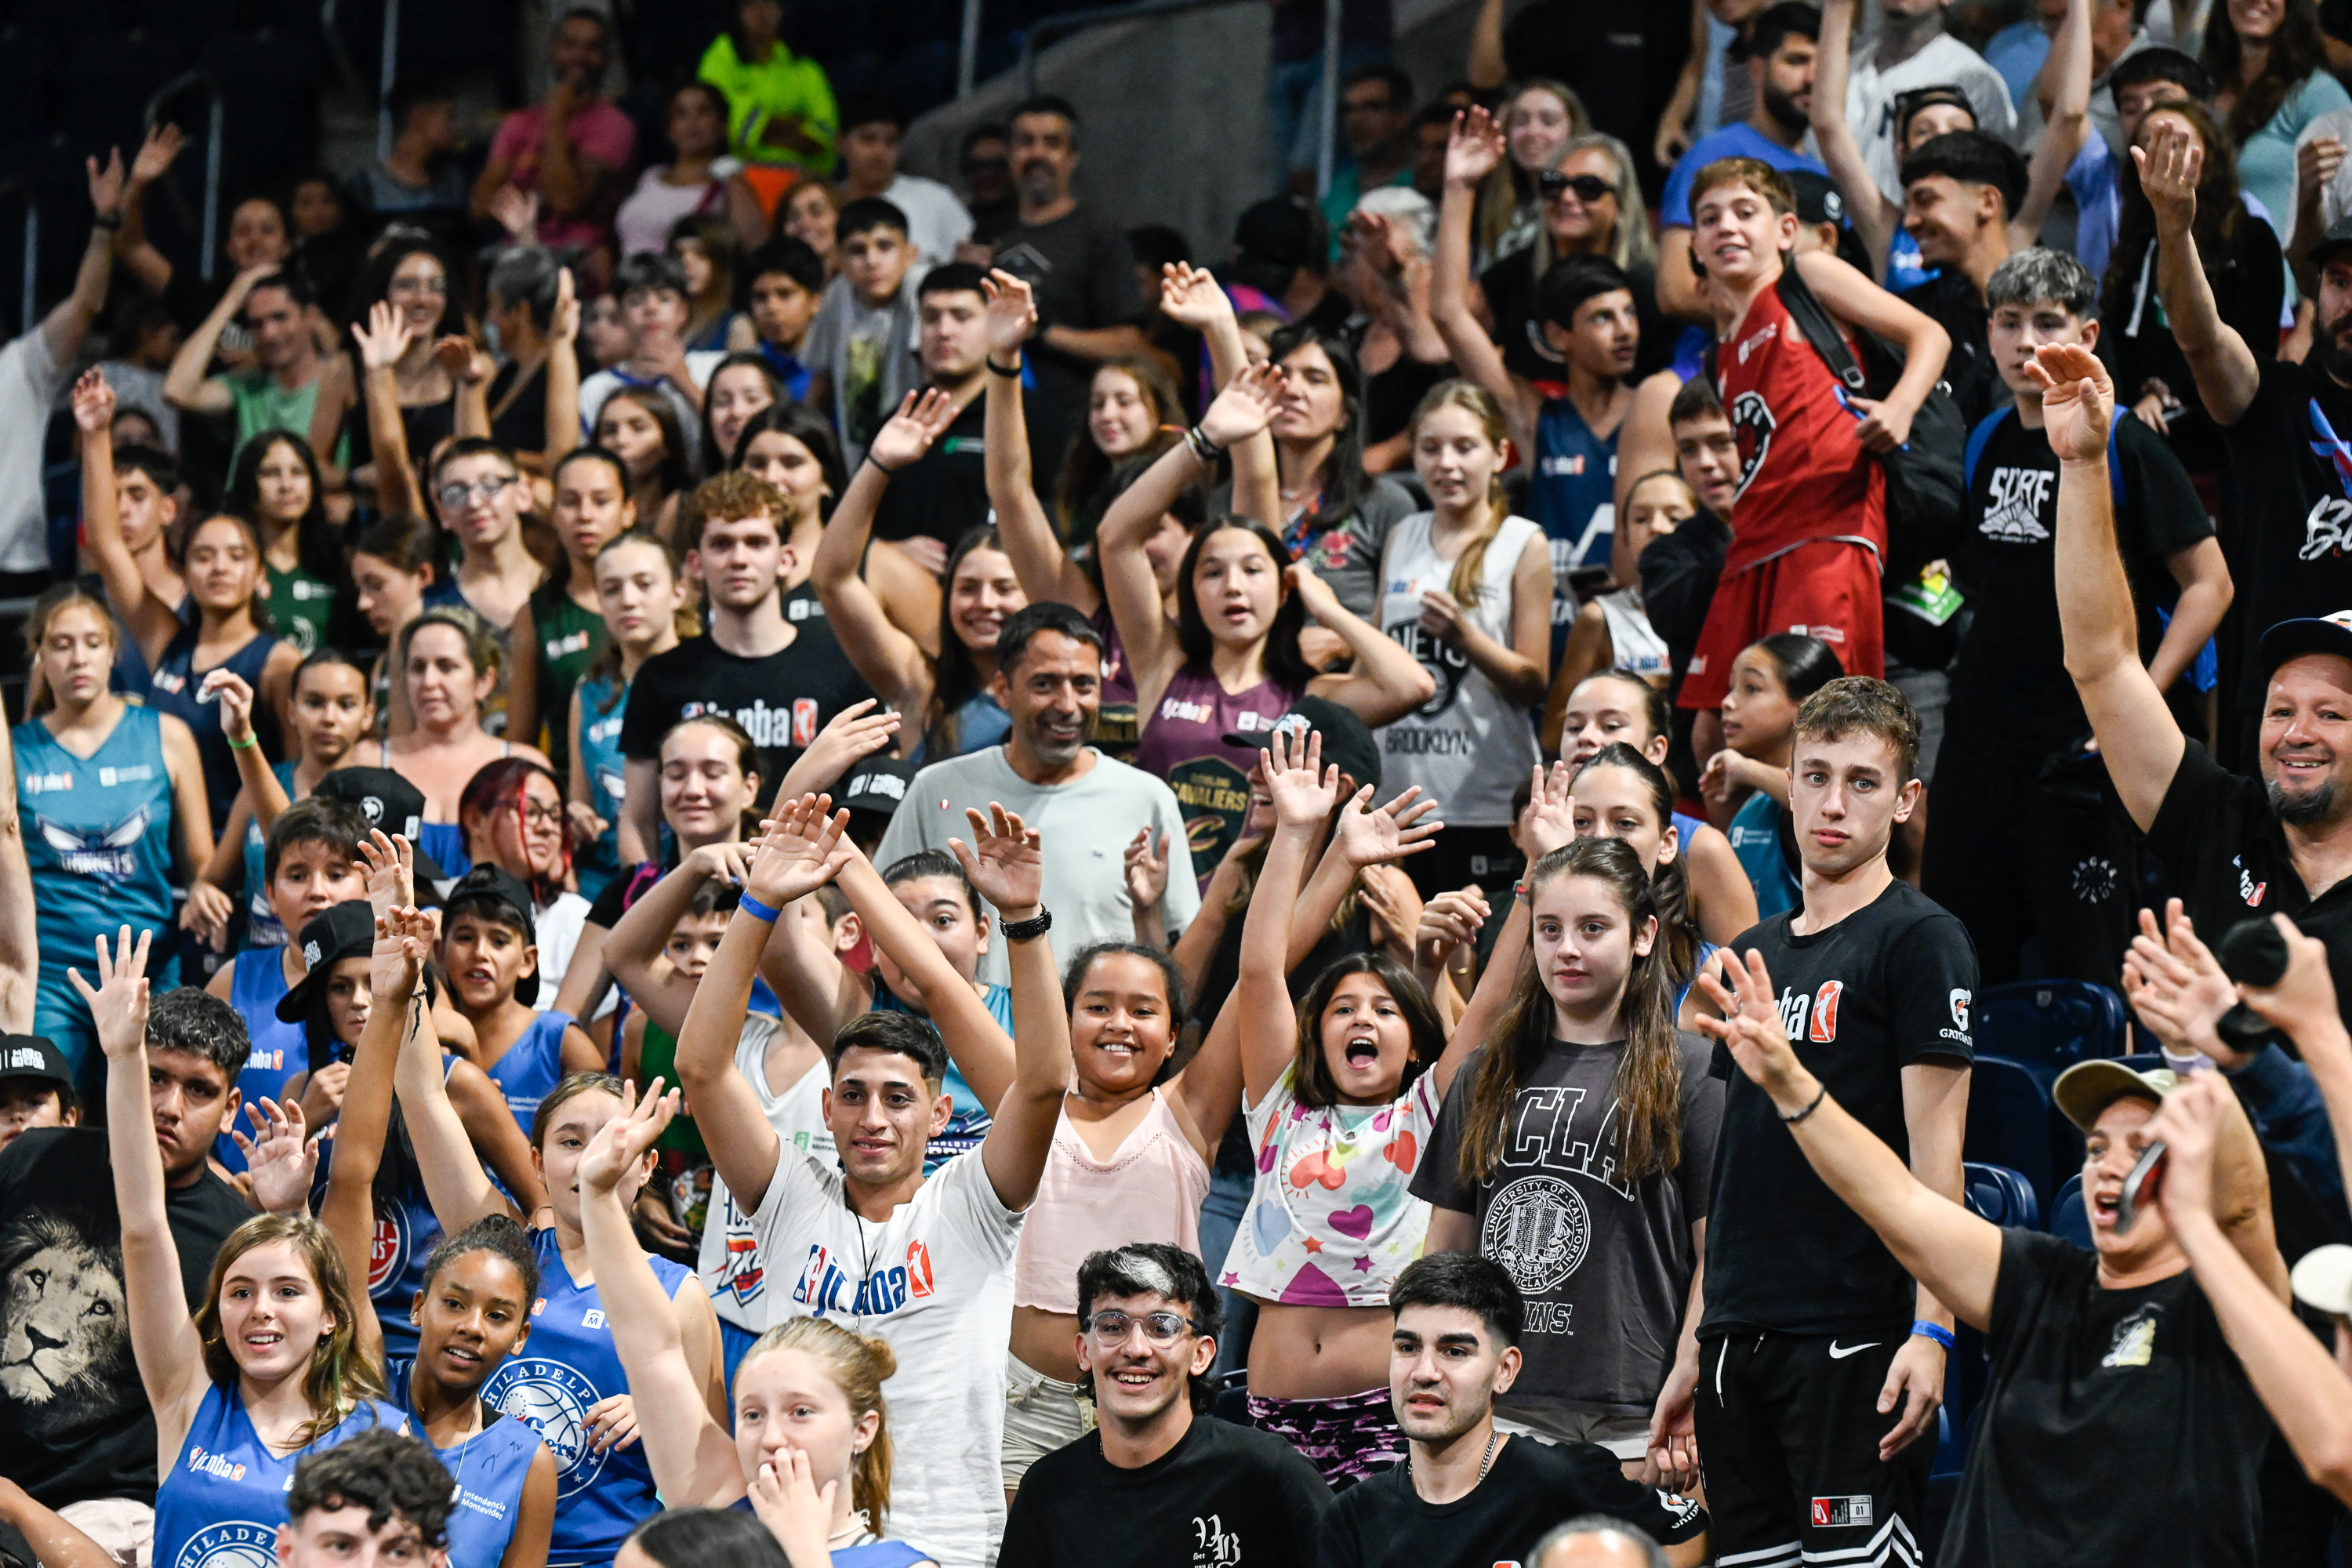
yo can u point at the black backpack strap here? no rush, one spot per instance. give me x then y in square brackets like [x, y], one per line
[1812, 319]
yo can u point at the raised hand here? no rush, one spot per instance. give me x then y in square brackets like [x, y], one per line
[803, 849]
[463, 359]
[93, 402]
[1379, 838]
[383, 339]
[1449, 922]
[1394, 905]
[2169, 166]
[2176, 985]
[1750, 1027]
[403, 945]
[279, 1160]
[619, 1146]
[516, 211]
[1005, 860]
[391, 866]
[2189, 1125]
[1474, 148]
[2304, 1001]
[1011, 313]
[117, 1003]
[923, 419]
[207, 912]
[156, 154]
[2078, 401]
[563, 322]
[727, 863]
[1190, 297]
[1246, 406]
[1147, 870]
[854, 734]
[105, 183]
[236, 702]
[1551, 811]
[1302, 789]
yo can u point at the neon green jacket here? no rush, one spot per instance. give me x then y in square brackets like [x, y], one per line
[785, 86]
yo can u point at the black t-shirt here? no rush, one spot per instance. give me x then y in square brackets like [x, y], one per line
[2287, 525]
[943, 494]
[1604, 1263]
[1225, 1497]
[2011, 694]
[1888, 986]
[2248, 283]
[1384, 1523]
[1081, 271]
[1391, 396]
[74, 1420]
[782, 700]
[1950, 300]
[1679, 573]
[2225, 857]
[2118, 1426]
[522, 426]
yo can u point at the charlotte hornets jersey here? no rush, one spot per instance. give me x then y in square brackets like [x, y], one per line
[566, 1366]
[225, 1496]
[277, 1051]
[489, 1472]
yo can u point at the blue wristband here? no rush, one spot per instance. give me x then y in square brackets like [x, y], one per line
[1936, 1331]
[759, 910]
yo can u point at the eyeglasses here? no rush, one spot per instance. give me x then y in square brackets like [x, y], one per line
[1588, 187]
[418, 286]
[536, 816]
[452, 496]
[1159, 1328]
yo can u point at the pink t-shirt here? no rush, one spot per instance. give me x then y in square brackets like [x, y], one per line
[599, 131]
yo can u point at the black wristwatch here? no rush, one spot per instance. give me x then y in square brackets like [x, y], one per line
[1028, 929]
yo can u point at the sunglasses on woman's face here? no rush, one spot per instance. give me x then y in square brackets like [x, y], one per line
[1588, 187]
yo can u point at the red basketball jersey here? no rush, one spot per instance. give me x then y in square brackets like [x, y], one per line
[1803, 472]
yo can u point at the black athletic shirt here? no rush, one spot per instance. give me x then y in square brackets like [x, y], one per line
[1888, 986]
[1384, 1523]
[2287, 526]
[2011, 694]
[2142, 1375]
[782, 699]
[1223, 1497]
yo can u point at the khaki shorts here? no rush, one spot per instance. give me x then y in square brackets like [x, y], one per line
[1625, 1436]
[1041, 1414]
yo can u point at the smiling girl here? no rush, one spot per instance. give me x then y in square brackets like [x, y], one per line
[560, 632]
[275, 485]
[646, 607]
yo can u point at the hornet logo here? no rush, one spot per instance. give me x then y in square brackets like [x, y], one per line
[112, 854]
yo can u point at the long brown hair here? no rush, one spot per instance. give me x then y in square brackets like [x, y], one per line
[1679, 938]
[2219, 211]
[1649, 1085]
[1470, 566]
[2296, 52]
[859, 1366]
[1310, 1072]
[340, 1375]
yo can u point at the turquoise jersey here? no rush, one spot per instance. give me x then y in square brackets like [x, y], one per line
[261, 927]
[97, 839]
[606, 771]
[1755, 839]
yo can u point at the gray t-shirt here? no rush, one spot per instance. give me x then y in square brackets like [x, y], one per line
[1085, 826]
[1605, 1263]
[870, 353]
[1345, 554]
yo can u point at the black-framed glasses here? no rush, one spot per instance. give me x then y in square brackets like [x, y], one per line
[1111, 1328]
[1588, 187]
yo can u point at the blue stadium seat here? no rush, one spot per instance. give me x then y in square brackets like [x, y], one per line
[2002, 1196]
[2005, 1197]
[2070, 1219]
[2010, 1121]
[2048, 1025]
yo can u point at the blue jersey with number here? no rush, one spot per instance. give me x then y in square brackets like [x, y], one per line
[533, 1066]
[1572, 494]
[489, 1471]
[98, 840]
[561, 1373]
[225, 1496]
[279, 1050]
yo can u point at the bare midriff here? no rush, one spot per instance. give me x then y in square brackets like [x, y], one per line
[1319, 1352]
[1046, 1341]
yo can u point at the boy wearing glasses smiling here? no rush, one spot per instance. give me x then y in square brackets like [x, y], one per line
[478, 493]
[1155, 1483]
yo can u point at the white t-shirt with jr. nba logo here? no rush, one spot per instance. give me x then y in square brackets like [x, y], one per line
[729, 1262]
[935, 1281]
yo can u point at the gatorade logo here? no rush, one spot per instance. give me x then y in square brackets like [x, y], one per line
[1823, 1028]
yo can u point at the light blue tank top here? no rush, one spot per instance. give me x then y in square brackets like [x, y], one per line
[599, 754]
[562, 1370]
[489, 1472]
[261, 926]
[225, 1496]
[1755, 839]
[98, 834]
[256, 985]
[533, 1066]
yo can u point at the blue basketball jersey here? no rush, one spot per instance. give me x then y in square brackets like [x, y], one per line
[98, 839]
[599, 757]
[533, 1066]
[256, 985]
[489, 1472]
[176, 684]
[225, 1496]
[1571, 493]
[406, 1232]
[566, 1366]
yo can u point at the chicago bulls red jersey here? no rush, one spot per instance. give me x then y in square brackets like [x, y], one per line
[1804, 473]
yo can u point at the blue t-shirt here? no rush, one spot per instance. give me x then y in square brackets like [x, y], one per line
[489, 1472]
[277, 1050]
[1740, 141]
[222, 1503]
[1571, 495]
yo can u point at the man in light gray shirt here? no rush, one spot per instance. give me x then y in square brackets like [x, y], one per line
[1089, 806]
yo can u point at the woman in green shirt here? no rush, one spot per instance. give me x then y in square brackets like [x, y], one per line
[275, 485]
[560, 632]
[779, 106]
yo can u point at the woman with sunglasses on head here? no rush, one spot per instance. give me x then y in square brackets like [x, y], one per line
[1592, 205]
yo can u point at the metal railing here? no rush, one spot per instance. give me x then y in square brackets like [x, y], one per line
[1050, 29]
[186, 80]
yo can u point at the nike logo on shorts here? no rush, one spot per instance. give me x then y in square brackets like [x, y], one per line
[1836, 1353]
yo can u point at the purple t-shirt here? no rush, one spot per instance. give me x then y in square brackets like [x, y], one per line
[1184, 742]
[1115, 728]
[599, 131]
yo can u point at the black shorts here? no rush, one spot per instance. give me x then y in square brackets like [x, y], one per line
[1787, 1442]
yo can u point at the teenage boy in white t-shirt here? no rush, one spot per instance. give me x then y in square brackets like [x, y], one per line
[925, 1264]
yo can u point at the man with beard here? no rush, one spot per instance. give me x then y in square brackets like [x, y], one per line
[1467, 1494]
[1078, 264]
[1778, 54]
[2288, 430]
[1049, 662]
[2230, 847]
[75, 1428]
[1158, 1484]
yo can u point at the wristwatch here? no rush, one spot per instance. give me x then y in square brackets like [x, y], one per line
[1028, 929]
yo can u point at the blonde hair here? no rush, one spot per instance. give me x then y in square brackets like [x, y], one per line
[1470, 566]
[858, 1365]
[62, 597]
[340, 1375]
[1632, 245]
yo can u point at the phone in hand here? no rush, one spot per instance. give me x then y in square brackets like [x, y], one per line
[2127, 1206]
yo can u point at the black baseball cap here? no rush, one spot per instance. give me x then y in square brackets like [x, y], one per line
[390, 801]
[1818, 197]
[35, 1056]
[1347, 742]
[2309, 634]
[2338, 236]
[878, 785]
[491, 884]
[341, 930]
